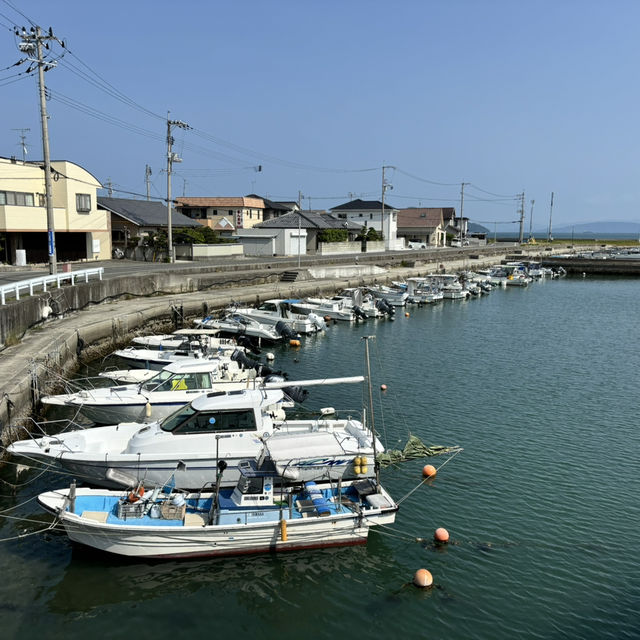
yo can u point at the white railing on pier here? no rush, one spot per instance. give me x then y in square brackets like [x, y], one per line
[31, 285]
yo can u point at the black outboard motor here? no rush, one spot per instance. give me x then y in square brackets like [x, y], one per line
[383, 305]
[268, 373]
[243, 361]
[284, 330]
[359, 313]
[248, 343]
[297, 394]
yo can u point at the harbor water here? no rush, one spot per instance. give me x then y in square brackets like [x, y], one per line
[539, 386]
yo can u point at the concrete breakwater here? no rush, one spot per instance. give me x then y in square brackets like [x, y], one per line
[92, 319]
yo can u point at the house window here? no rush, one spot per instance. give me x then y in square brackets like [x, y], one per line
[17, 198]
[83, 202]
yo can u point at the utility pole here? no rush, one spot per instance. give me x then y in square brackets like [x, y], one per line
[23, 142]
[171, 158]
[300, 196]
[32, 45]
[385, 186]
[109, 187]
[549, 236]
[521, 235]
[462, 186]
[531, 221]
[147, 179]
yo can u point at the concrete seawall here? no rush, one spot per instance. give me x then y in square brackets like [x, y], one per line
[92, 319]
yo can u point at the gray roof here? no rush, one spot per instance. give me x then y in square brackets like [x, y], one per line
[145, 213]
[362, 205]
[307, 220]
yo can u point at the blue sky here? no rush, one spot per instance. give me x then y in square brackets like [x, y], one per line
[508, 96]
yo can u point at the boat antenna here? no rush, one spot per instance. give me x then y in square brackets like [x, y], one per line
[372, 427]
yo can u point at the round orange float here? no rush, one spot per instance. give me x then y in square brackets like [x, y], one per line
[422, 578]
[429, 471]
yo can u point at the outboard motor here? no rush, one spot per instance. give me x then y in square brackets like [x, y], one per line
[272, 374]
[248, 343]
[284, 330]
[297, 393]
[243, 361]
[383, 305]
[318, 322]
[359, 313]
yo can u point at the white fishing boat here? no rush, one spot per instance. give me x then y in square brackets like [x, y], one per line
[182, 339]
[168, 390]
[158, 359]
[238, 325]
[423, 291]
[220, 425]
[450, 285]
[325, 308]
[275, 311]
[394, 296]
[256, 516]
[360, 301]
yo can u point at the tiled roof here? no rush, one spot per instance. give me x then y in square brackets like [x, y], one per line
[425, 217]
[362, 205]
[145, 213]
[306, 220]
[253, 203]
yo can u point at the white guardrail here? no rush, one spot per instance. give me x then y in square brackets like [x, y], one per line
[70, 277]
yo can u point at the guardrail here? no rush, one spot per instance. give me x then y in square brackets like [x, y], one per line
[70, 277]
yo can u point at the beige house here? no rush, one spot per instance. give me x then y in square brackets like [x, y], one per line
[82, 231]
[242, 212]
[424, 226]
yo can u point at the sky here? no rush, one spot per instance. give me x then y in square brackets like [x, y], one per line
[308, 100]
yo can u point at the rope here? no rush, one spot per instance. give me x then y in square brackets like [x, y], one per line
[399, 502]
[31, 533]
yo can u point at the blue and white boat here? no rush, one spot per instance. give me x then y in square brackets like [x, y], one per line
[255, 516]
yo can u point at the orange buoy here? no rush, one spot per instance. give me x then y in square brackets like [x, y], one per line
[422, 578]
[429, 471]
[294, 343]
[406, 314]
[383, 387]
[441, 535]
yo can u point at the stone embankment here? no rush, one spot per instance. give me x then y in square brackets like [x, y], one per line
[92, 319]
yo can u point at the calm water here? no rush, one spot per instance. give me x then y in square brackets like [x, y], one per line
[539, 385]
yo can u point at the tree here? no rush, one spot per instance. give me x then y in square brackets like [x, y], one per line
[333, 235]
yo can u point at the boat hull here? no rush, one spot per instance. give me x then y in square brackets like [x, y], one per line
[192, 536]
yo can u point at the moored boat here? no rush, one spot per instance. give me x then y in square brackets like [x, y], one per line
[253, 517]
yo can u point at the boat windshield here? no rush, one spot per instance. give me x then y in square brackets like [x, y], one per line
[156, 380]
[178, 382]
[188, 420]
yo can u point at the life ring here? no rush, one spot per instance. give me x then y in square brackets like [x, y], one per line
[136, 494]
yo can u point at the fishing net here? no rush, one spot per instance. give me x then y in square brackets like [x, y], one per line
[413, 450]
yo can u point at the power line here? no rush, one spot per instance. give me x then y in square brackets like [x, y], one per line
[27, 18]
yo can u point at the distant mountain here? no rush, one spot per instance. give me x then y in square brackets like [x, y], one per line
[474, 227]
[600, 227]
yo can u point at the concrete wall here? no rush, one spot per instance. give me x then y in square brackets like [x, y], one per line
[207, 251]
[336, 248]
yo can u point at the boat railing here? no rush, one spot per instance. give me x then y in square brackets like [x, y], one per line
[41, 429]
[43, 282]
